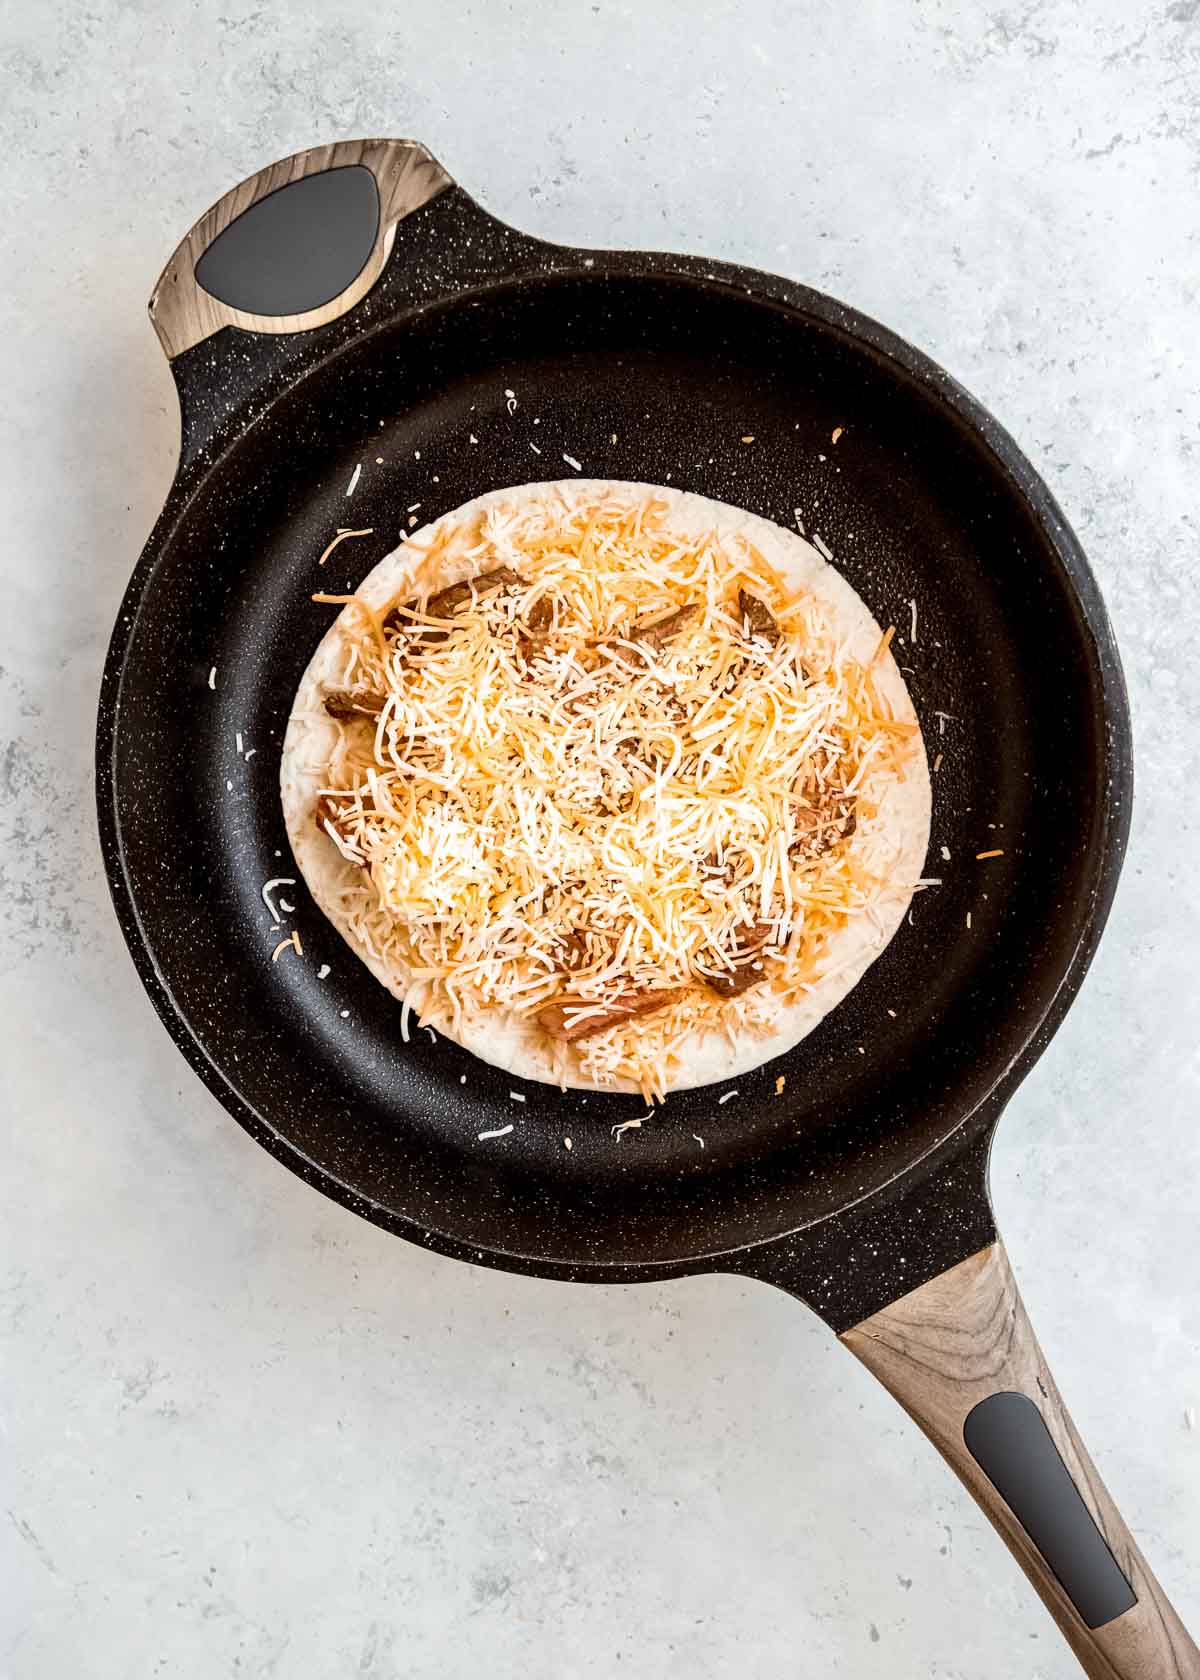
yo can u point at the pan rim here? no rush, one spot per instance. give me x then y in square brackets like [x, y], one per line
[1013, 469]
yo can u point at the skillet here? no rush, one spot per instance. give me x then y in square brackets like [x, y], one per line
[350, 333]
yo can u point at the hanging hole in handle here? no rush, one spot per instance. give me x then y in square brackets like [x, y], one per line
[298, 248]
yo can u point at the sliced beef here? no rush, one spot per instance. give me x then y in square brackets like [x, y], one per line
[819, 831]
[329, 812]
[341, 704]
[446, 602]
[656, 636]
[554, 1017]
[757, 617]
[749, 942]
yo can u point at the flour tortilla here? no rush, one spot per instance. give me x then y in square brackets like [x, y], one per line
[893, 845]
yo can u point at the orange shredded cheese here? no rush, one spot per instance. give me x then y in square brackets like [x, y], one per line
[343, 532]
[542, 778]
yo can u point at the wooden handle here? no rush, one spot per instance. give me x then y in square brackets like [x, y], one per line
[962, 1339]
[406, 177]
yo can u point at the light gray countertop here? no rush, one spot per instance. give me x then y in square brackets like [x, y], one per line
[245, 1433]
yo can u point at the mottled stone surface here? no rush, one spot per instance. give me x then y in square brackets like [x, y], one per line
[244, 1433]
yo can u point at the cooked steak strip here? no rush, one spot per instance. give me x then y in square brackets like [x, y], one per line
[555, 1017]
[447, 602]
[652, 637]
[748, 944]
[757, 617]
[656, 636]
[341, 704]
[820, 834]
[327, 811]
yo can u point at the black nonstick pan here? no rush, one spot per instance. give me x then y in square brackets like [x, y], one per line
[351, 334]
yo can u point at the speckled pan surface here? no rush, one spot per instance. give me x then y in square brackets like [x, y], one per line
[876, 1148]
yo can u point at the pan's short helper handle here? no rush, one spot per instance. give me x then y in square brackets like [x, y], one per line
[295, 246]
[961, 1357]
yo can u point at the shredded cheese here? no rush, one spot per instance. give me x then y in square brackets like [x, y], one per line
[549, 775]
[291, 943]
[344, 531]
[268, 887]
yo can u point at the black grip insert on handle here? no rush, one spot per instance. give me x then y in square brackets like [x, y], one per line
[297, 248]
[1007, 1437]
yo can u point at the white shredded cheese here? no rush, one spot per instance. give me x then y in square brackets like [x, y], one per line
[354, 478]
[572, 462]
[516, 1096]
[728, 1097]
[322, 971]
[212, 677]
[625, 1126]
[698, 1139]
[476, 804]
[500, 1131]
[268, 887]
